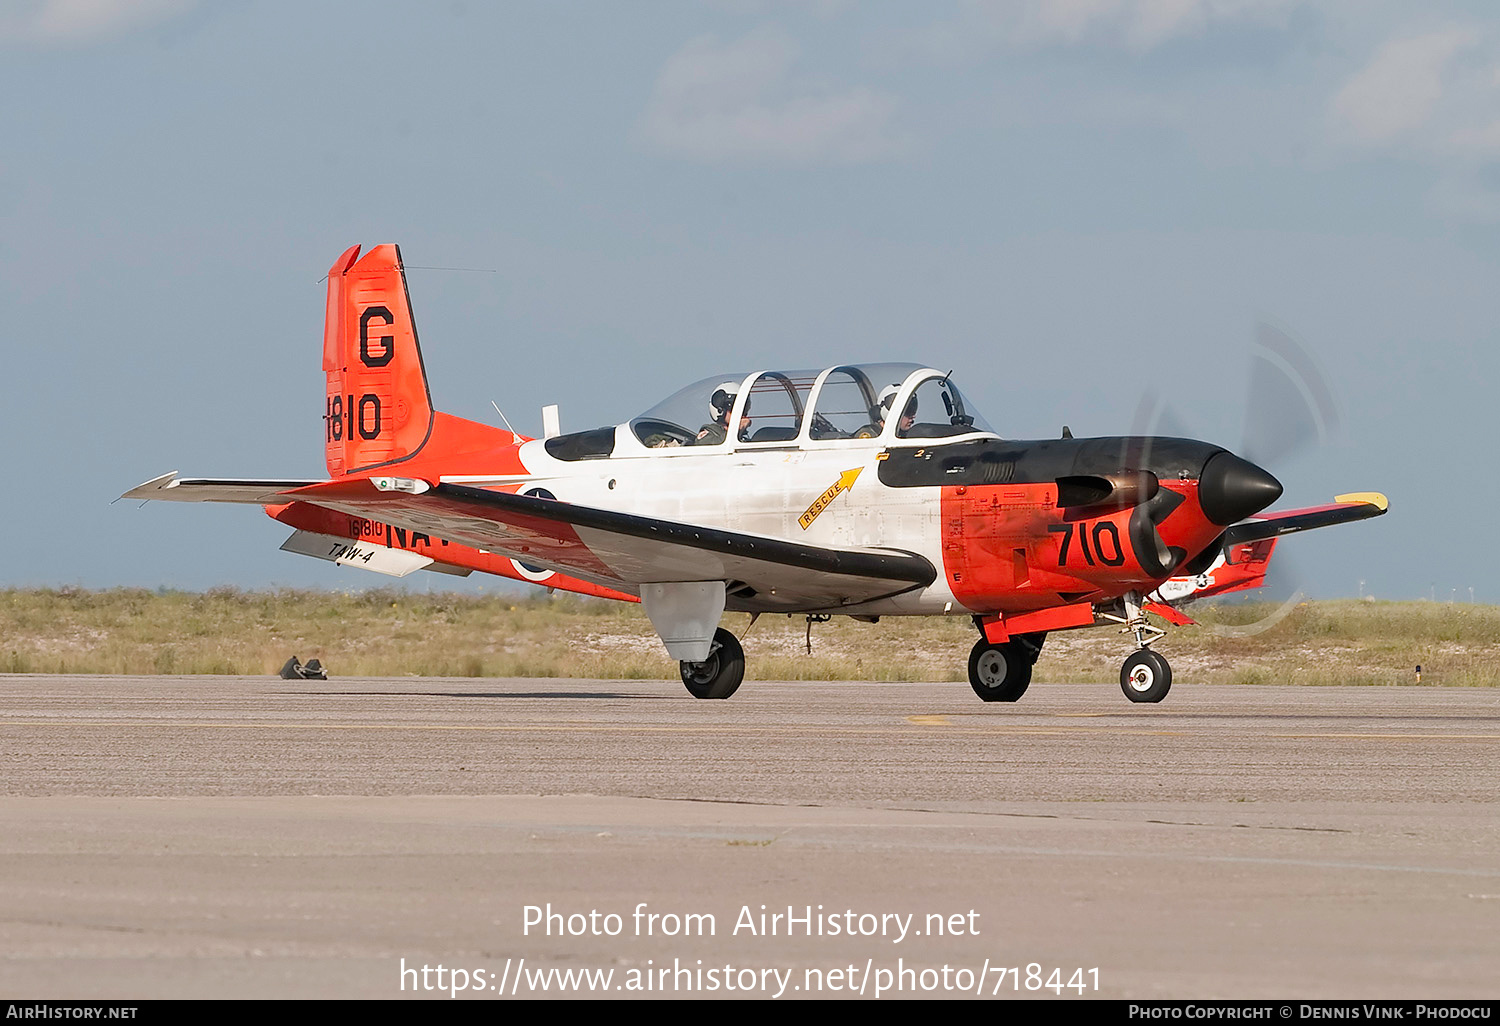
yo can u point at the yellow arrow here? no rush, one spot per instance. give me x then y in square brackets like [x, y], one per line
[843, 484]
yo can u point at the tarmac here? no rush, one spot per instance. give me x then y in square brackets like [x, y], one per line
[206, 837]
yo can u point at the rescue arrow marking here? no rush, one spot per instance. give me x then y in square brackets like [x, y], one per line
[843, 484]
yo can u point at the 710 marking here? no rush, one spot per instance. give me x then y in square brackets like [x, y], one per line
[1106, 543]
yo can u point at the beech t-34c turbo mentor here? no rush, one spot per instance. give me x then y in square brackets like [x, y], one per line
[799, 492]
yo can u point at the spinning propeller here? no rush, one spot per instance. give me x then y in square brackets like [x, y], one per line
[1289, 408]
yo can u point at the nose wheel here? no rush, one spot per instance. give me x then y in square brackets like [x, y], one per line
[1146, 677]
[719, 675]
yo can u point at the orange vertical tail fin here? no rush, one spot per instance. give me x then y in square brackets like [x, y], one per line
[378, 409]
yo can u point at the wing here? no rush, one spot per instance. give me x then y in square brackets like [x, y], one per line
[617, 550]
[1343, 510]
[1240, 558]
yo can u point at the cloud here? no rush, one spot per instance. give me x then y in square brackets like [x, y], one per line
[1433, 95]
[65, 21]
[1394, 95]
[1432, 99]
[747, 100]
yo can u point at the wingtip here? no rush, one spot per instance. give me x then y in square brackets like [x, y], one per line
[1376, 499]
[148, 489]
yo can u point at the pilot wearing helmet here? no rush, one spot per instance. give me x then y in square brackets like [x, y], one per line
[883, 412]
[720, 403]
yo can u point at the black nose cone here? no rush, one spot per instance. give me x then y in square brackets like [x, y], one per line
[1231, 489]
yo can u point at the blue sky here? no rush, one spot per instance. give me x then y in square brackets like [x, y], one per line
[1070, 202]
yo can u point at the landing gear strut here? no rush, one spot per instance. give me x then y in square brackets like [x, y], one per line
[1001, 672]
[1146, 675]
[719, 675]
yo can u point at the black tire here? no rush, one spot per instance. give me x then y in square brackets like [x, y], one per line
[999, 673]
[1145, 677]
[719, 675]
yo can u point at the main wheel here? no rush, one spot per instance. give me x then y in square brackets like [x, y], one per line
[1145, 677]
[720, 674]
[999, 673]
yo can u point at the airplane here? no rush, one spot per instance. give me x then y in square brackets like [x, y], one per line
[774, 491]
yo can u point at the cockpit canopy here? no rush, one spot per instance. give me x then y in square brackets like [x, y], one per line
[781, 407]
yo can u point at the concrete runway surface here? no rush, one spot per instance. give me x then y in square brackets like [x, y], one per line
[252, 837]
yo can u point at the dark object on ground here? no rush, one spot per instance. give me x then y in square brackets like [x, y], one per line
[295, 670]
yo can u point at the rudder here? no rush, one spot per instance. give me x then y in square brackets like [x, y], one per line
[377, 409]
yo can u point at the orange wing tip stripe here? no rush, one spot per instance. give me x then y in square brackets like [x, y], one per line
[1376, 499]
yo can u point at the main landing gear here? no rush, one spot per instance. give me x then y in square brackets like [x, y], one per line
[1001, 672]
[1146, 675]
[719, 675]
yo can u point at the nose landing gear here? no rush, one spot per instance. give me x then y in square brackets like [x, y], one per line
[1146, 675]
[998, 673]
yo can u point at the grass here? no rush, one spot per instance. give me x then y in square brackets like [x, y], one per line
[389, 633]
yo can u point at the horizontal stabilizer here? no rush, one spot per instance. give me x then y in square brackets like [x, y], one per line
[252, 491]
[347, 552]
